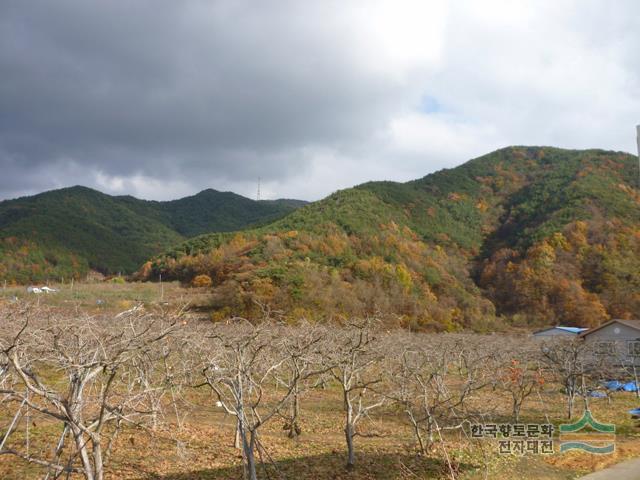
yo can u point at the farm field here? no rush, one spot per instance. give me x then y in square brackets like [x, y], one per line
[107, 297]
[191, 436]
[203, 448]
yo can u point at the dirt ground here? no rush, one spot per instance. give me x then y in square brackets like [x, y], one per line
[202, 447]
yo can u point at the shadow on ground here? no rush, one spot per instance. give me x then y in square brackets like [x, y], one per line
[332, 466]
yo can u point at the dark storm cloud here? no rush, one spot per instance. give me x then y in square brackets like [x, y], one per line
[165, 88]
[161, 98]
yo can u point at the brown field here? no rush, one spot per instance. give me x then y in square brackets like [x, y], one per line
[203, 447]
[102, 297]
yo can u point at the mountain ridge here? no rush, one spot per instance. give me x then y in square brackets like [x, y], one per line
[528, 234]
[66, 232]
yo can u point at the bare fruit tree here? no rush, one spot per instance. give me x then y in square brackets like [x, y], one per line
[304, 345]
[77, 372]
[432, 380]
[570, 362]
[354, 356]
[240, 362]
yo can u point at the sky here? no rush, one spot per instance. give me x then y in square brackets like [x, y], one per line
[161, 98]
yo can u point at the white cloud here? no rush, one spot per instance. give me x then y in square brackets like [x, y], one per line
[443, 135]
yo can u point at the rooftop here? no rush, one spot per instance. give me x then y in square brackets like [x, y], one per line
[575, 330]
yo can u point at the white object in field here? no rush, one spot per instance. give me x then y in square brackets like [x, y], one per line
[34, 290]
[218, 404]
[48, 290]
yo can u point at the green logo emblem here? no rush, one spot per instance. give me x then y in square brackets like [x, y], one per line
[600, 438]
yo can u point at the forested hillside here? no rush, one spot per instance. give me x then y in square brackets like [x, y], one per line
[524, 235]
[64, 233]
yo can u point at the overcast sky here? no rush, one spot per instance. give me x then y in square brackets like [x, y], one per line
[163, 98]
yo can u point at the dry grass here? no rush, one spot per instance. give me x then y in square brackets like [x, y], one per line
[203, 448]
[108, 297]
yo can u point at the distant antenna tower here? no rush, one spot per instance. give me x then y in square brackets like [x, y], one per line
[258, 194]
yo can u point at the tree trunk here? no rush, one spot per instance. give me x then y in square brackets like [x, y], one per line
[421, 443]
[570, 386]
[349, 431]
[81, 445]
[351, 454]
[97, 460]
[416, 432]
[516, 411]
[248, 450]
[294, 428]
[585, 397]
[237, 442]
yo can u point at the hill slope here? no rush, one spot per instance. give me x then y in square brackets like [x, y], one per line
[527, 234]
[213, 211]
[65, 232]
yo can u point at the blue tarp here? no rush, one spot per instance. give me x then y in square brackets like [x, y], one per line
[630, 387]
[613, 385]
[635, 412]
